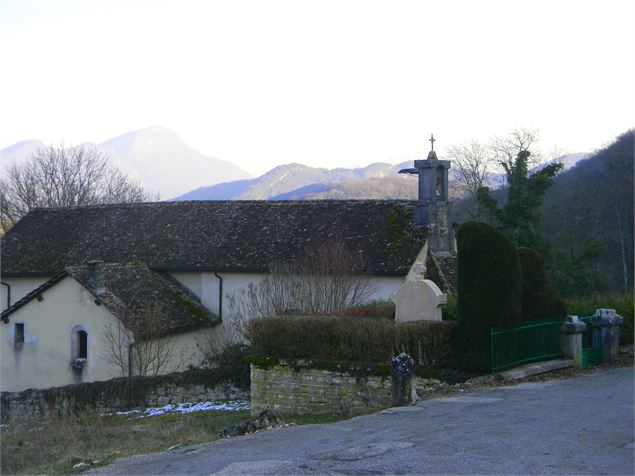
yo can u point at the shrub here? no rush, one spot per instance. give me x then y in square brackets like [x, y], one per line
[450, 310]
[233, 365]
[622, 303]
[539, 298]
[331, 338]
[326, 279]
[489, 291]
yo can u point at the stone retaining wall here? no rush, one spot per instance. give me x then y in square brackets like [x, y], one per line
[319, 392]
[116, 394]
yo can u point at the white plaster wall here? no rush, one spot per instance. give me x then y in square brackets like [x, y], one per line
[185, 350]
[45, 358]
[20, 287]
[385, 287]
[206, 286]
[203, 284]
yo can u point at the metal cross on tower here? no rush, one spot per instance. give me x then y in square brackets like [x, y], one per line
[433, 183]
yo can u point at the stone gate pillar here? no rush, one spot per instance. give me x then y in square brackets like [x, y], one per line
[606, 333]
[572, 329]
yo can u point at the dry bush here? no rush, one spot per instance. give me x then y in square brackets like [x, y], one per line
[139, 346]
[327, 279]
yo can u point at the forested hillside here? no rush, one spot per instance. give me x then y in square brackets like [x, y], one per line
[587, 219]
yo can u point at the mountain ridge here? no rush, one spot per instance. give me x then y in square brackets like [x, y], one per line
[296, 181]
[158, 159]
[288, 178]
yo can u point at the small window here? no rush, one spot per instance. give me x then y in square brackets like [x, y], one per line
[79, 346]
[18, 336]
[82, 337]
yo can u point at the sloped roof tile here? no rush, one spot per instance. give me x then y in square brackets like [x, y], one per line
[133, 292]
[241, 236]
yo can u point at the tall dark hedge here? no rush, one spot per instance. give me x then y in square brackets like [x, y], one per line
[489, 292]
[539, 298]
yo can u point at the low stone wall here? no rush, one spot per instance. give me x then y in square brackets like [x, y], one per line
[293, 391]
[116, 394]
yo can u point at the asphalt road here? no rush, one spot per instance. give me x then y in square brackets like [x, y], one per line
[579, 425]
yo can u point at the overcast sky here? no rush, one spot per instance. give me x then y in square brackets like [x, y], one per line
[324, 83]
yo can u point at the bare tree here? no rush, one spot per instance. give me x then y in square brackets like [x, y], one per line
[473, 164]
[64, 176]
[140, 346]
[328, 278]
[117, 342]
[505, 149]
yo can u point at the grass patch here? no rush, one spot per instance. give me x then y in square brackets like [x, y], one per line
[55, 447]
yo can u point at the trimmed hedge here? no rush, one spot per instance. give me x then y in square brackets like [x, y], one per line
[489, 291]
[539, 298]
[375, 310]
[329, 338]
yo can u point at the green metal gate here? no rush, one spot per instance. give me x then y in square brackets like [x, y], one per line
[591, 345]
[531, 342]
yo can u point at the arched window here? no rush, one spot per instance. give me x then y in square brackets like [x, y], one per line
[83, 344]
[79, 346]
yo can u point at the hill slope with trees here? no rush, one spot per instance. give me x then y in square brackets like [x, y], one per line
[587, 220]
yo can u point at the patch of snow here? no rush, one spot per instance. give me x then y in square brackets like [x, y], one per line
[183, 408]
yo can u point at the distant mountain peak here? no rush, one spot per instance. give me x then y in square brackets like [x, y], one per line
[156, 157]
[142, 138]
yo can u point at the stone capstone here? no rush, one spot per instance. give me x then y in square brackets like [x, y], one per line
[573, 325]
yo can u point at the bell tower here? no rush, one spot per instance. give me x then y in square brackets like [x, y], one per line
[432, 205]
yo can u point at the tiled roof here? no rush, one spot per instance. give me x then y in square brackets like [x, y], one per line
[132, 292]
[211, 235]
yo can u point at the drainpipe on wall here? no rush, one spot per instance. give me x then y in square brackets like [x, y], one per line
[8, 293]
[220, 295]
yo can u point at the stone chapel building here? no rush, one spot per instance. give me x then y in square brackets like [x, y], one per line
[68, 273]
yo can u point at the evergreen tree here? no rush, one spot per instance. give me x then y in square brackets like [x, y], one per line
[519, 218]
[489, 292]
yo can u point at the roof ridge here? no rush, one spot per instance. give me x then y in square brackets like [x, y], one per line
[321, 202]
